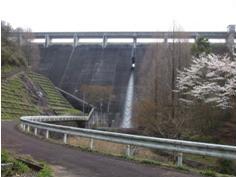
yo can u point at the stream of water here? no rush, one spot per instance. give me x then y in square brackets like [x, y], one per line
[127, 114]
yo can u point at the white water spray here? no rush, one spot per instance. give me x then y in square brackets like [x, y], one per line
[127, 114]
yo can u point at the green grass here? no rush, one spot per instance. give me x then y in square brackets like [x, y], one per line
[45, 172]
[55, 99]
[17, 101]
[8, 68]
[20, 167]
[17, 167]
[208, 172]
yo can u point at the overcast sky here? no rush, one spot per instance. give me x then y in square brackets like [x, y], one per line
[119, 15]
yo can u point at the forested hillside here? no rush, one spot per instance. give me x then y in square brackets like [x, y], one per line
[16, 55]
[24, 92]
[165, 108]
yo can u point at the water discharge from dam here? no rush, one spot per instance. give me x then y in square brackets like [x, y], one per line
[127, 114]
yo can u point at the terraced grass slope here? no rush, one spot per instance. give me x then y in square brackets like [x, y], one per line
[16, 101]
[20, 96]
[54, 98]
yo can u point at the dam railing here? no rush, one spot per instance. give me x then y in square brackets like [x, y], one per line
[228, 36]
[171, 145]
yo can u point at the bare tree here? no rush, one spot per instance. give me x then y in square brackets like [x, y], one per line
[30, 49]
[157, 109]
[97, 95]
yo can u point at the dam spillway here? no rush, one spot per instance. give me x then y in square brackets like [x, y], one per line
[92, 65]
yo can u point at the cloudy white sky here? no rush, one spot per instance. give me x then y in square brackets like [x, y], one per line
[119, 15]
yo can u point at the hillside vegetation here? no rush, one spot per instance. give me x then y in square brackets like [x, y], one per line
[16, 101]
[163, 109]
[25, 92]
[55, 100]
[12, 54]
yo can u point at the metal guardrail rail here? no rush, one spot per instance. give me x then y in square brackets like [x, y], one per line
[55, 118]
[179, 146]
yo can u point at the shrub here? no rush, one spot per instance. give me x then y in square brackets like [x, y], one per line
[20, 167]
[208, 172]
[45, 172]
[226, 167]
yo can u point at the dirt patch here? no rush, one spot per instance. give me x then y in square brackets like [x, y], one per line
[60, 171]
[78, 141]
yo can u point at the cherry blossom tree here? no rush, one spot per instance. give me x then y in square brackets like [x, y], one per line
[210, 79]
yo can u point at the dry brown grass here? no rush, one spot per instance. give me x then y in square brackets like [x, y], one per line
[78, 141]
[106, 147]
[109, 148]
[145, 153]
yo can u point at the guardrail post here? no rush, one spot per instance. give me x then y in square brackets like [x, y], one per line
[179, 159]
[23, 127]
[47, 134]
[65, 138]
[91, 145]
[128, 150]
[35, 131]
[28, 128]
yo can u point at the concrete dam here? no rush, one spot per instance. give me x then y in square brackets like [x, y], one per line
[73, 69]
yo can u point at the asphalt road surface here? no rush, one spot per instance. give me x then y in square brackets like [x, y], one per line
[79, 163]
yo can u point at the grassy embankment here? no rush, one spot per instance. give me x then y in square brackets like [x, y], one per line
[18, 100]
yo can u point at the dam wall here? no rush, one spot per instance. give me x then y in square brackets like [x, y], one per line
[92, 65]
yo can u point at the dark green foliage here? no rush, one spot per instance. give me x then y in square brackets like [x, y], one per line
[201, 46]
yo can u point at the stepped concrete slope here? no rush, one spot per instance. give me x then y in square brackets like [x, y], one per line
[91, 65]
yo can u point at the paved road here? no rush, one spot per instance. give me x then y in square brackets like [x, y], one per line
[77, 162]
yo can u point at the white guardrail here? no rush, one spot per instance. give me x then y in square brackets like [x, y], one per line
[179, 146]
